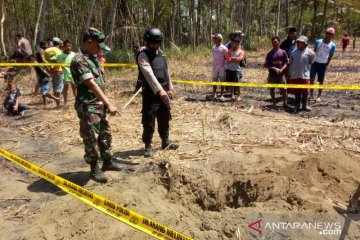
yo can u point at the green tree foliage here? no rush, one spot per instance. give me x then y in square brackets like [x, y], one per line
[184, 22]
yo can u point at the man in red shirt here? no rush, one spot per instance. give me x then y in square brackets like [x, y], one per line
[345, 42]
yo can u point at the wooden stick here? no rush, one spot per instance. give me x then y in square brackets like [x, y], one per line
[132, 98]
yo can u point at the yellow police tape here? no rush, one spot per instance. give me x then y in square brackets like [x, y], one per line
[127, 65]
[268, 85]
[106, 206]
[199, 82]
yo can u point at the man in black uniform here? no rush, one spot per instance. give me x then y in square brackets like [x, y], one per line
[157, 91]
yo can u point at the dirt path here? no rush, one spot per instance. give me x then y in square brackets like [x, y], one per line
[238, 163]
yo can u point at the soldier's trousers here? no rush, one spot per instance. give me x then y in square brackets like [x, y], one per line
[154, 108]
[96, 134]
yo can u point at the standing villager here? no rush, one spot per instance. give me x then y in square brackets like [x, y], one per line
[65, 57]
[93, 106]
[157, 91]
[44, 79]
[324, 51]
[55, 71]
[345, 41]
[276, 62]
[218, 66]
[289, 45]
[39, 56]
[233, 69]
[299, 70]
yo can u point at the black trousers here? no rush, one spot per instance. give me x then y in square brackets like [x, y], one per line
[154, 108]
[301, 98]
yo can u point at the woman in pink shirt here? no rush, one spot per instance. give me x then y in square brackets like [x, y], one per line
[233, 69]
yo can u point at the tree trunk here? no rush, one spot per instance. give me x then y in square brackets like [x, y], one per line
[199, 21]
[91, 11]
[218, 15]
[211, 14]
[287, 14]
[112, 24]
[247, 24]
[323, 20]
[2, 28]
[301, 15]
[278, 17]
[261, 20]
[42, 20]
[313, 23]
[37, 23]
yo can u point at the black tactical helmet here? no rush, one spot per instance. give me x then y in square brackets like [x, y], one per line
[153, 35]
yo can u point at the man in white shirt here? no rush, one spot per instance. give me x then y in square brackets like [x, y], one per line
[324, 51]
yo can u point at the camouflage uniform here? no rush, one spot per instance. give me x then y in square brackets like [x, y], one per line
[94, 125]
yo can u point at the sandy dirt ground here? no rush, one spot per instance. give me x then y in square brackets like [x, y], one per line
[238, 163]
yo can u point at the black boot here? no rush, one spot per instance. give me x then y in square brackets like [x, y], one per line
[96, 173]
[167, 144]
[305, 106]
[110, 165]
[148, 151]
[297, 103]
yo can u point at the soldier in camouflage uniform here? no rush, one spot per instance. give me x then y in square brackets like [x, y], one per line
[92, 106]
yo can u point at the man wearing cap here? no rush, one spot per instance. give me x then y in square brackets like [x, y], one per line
[218, 67]
[299, 71]
[324, 51]
[55, 71]
[92, 105]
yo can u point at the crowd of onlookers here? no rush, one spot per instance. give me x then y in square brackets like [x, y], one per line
[54, 51]
[289, 62]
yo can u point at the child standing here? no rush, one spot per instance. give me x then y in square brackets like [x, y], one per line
[218, 68]
[11, 102]
[233, 69]
[65, 57]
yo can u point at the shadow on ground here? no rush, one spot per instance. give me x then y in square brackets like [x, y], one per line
[80, 178]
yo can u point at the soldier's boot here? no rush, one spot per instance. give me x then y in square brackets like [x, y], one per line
[148, 151]
[96, 174]
[110, 165]
[167, 144]
[305, 106]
